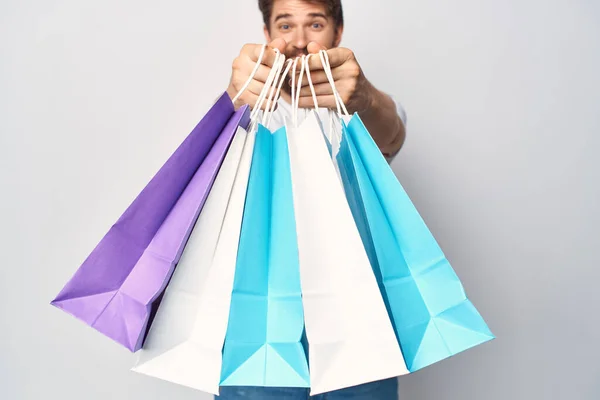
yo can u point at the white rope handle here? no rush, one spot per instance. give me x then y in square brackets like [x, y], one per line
[281, 80]
[261, 98]
[293, 88]
[297, 94]
[254, 71]
[310, 84]
[304, 67]
[267, 86]
[336, 95]
[327, 68]
[329, 76]
[272, 93]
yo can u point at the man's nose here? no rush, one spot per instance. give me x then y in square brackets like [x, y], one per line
[299, 41]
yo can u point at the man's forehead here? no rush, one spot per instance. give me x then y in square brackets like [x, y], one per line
[298, 9]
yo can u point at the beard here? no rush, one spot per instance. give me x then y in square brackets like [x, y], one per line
[294, 52]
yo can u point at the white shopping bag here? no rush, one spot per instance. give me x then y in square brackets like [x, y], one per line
[335, 137]
[184, 343]
[350, 337]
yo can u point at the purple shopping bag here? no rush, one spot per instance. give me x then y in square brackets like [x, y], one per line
[115, 288]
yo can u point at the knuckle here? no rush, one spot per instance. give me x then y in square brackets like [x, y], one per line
[351, 86]
[237, 63]
[247, 48]
[349, 54]
[346, 95]
[354, 70]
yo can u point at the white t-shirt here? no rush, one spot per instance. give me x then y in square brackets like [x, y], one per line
[284, 111]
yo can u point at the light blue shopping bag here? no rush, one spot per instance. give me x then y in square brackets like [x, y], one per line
[431, 315]
[264, 344]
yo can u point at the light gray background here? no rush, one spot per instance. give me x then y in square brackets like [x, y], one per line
[503, 101]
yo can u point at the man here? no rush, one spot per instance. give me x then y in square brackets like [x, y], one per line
[297, 27]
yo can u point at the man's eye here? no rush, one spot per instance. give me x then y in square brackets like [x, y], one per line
[317, 25]
[285, 27]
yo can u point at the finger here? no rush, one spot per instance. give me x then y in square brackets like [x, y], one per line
[252, 99]
[279, 44]
[320, 77]
[320, 90]
[269, 57]
[262, 74]
[270, 53]
[314, 62]
[338, 56]
[327, 101]
[314, 47]
[248, 98]
[316, 77]
[270, 92]
[252, 51]
[245, 66]
[255, 87]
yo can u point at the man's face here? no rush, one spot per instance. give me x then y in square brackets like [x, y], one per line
[300, 22]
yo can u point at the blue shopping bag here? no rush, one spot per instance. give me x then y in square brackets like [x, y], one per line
[430, 312]
[264, 343]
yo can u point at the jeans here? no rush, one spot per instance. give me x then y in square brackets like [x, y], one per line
[381, 390]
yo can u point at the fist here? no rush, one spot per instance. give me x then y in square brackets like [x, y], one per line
[242, 68]
[354, 89]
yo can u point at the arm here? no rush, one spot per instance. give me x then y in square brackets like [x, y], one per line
[383, 122]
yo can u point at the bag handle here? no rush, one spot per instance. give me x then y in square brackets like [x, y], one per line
[293, 89]
[327, 68]
[267, 86]
[261, 98]
[254, 71]
[338, 98]
[269, 114]
[278, 66]
[296, 95]
[270, 87]
[310, 84]
[304, 67]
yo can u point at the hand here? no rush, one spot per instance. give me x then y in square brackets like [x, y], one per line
[355, 90]
[243, 66]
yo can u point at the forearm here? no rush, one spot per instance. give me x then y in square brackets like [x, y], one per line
[383, 122]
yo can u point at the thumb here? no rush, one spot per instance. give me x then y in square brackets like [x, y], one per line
[314, 47]
[279, 44]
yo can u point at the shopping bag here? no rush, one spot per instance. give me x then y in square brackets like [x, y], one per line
[350, 337]
[263, 345]
[432, 317]
[115, 288]
[186, 337]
